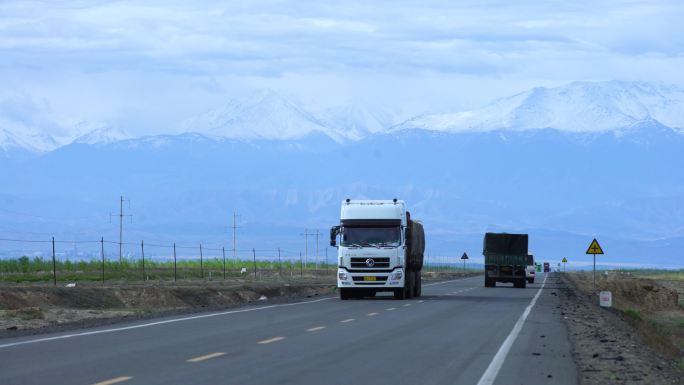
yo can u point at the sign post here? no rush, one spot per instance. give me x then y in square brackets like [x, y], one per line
[565, 260]
[464, 257]
[594, 248]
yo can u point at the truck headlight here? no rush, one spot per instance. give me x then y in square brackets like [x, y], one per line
[396, 276]
[342, 276]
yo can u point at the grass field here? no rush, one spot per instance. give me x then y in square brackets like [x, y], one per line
[670, 275]
[38, 270]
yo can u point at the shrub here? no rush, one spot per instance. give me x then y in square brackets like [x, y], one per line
[633, 314]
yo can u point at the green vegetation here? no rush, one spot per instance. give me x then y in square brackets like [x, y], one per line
[37, 270]
[672, 275]
[633, 314]
[25, 270]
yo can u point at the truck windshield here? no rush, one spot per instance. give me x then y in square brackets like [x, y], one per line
[371, 236]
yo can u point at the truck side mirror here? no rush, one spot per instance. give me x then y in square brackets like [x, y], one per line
[333, 235]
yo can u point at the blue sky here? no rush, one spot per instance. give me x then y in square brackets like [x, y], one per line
[145, 67]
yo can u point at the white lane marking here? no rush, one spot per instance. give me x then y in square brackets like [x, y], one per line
[371, 314]
[315, 328]
[391, 308]
[453, 280]
[421, 301]
[114, 380]
[160, 323]
[407, 304]
[271, 340]
[347, 320]
[207, 357]
[493, 370]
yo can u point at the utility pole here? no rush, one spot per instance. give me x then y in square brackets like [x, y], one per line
[317, 234]
[306, 244]
[235, 227]
[121, 216]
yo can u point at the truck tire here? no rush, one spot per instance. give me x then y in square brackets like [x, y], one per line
[344, 294]
[399, 293]
[523, 283]
[410, 283]
[489, 282]
[418, 285]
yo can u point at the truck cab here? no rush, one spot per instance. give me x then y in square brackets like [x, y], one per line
[377, 240]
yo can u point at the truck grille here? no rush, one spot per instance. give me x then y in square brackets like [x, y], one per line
[379, 263]
[378, 279]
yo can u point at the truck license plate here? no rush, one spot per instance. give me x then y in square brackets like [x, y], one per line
[367, 278]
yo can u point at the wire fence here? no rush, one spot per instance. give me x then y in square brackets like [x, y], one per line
[68, 261]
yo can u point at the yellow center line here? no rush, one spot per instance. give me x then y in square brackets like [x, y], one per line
[316, 328]
[347, 320]
[391, 308]
[206, 357]
[114, 380]
[371, 314]
[268, 341]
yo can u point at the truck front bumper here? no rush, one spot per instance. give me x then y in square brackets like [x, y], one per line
[370, 280]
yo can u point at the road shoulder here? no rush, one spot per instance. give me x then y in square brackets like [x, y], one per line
[606, 349]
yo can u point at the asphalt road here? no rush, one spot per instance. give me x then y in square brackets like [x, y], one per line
[459, 332]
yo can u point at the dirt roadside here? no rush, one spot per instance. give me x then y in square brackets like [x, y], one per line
[37, 309]
[608, 349]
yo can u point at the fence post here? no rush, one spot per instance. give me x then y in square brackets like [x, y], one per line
[280, 264]
[326, 261]
[142, 250]
[175, 270]
[201, 266]
[301, 265]
[103, 259]
[223, 249]
[255, 268]
[54, 264]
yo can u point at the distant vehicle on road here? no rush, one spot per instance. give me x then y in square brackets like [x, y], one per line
[531, 270]
[505, 259]
[547, 267]
[381, 249]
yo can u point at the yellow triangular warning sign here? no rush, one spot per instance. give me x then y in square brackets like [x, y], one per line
[594, 248]
[564, 260]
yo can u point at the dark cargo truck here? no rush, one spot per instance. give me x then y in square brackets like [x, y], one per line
[505, 259]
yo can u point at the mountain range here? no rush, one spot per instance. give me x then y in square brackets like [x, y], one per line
[565, 164]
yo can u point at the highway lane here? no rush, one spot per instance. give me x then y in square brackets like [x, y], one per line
[449, 336]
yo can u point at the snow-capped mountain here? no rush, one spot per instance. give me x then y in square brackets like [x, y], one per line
[16, 137]
[100, 133]
[356, 122]
[262, 115]
[577, 107]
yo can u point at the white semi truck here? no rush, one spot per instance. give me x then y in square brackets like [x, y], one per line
[380, 249]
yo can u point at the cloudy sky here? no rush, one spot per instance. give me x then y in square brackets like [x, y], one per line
[145, 67]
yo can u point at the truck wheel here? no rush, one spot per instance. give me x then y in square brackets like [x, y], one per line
[490, 282]
[418, 288]
[410, 284]
[523, 283]
[399, 293]
[344, 294]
